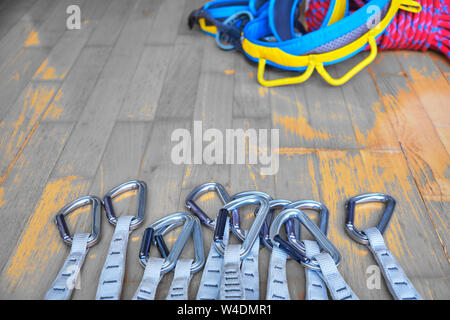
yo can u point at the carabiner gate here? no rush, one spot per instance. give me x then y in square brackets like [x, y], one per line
[60, 222]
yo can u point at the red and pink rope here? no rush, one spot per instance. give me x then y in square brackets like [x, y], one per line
[428, 29]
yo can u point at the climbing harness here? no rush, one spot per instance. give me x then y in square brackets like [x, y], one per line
[342, 38]
[399, 285]
[111, 278]
[64, 283]
[325, 263]
[156, 268]
[233, 284]
[225, 19]
[210, 281]
[427, 29]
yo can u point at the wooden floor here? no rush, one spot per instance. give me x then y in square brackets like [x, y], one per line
[84, 110]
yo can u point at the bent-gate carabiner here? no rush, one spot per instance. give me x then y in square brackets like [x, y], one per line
[64, 283]
[200, 190]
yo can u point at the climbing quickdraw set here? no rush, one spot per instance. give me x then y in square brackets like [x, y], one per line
[231, 271]
[269, 32]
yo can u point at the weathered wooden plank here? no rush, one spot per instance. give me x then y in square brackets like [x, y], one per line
[42, 153]
[163, 30]
[164, 180]
[54, 26]
[432, 90]
[298, 179]
[40, 251]
[290, 115]
[214, 101]
[345, 174]
[438, 210]
[386, 63]
[182, 80]
[15, 75]
[328, 113]
[66, 51]
[370, 121]
[146, 86]
[90, 136]
[250, 99]
[70, 99]
[21, 122]
[427, 157]
[121, 162]
[110, 24]
[23, 33]
[11, 13]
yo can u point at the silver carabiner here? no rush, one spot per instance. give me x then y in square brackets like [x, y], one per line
[197, 235]
[190, 224]
[235, 219]
[290, 249]
[96, 209]
[126, 187]
[200, 190]
[252, 234]
[350, 205]
[316, 206]
[265, 235]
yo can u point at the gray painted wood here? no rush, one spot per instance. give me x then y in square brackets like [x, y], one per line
[14, 77]
[88, 141]
[42, 152]
[19, 33]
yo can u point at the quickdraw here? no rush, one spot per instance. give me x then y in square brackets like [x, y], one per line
[315, 287]
[232, 283]
[341, 38]
[209, 288]
[231, 271]
[111, 277]
[156, 268]
[277, 288]
[325, 263]
[64, 283]
[398, 283]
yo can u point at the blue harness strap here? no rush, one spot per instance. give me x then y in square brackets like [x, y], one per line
[325, 39]
[282, 17]
[229, 18]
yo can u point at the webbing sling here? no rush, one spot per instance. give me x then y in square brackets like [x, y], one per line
[111, 277]
[155, 268]
[232, 284]
[62, 287]
[212, 273]
[315, 287]
[324, 263]
[336, 42]
[64, 283]
[398, 283]
[277, 286]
